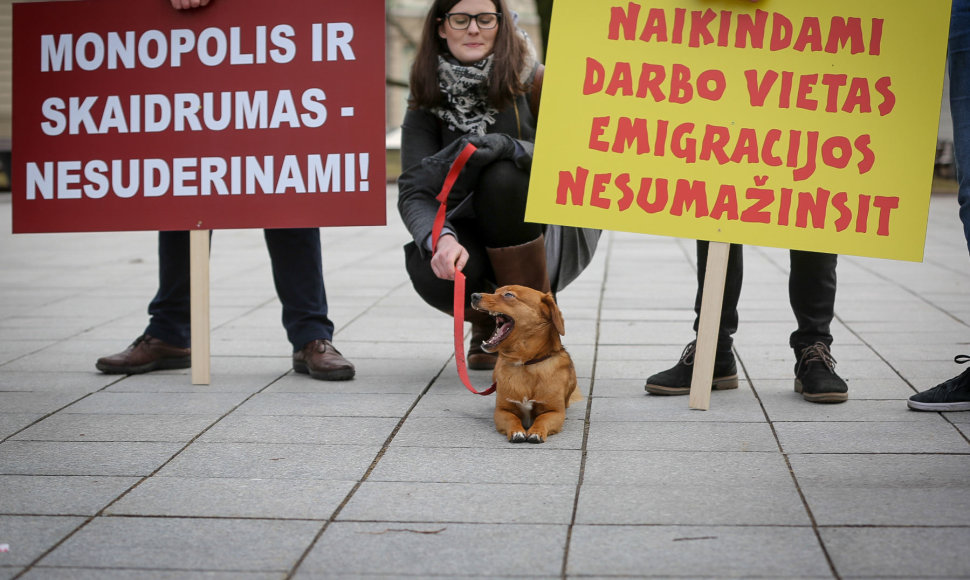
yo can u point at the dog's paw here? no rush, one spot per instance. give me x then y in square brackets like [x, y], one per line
[535, 438]
[517, 437]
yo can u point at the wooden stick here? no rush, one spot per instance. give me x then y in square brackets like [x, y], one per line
[708, 325]
[199, 272]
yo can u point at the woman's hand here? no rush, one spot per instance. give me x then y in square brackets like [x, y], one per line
[180, 4]
[449, 258]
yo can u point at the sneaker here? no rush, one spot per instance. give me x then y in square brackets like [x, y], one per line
[951, 395]
[815, 376]
[676, 380]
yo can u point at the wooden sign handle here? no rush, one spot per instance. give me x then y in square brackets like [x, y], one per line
[199, 296]
[708, 325]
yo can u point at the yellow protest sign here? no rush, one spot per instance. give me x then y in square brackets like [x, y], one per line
[805, 125]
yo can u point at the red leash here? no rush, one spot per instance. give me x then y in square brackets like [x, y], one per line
[459, 302]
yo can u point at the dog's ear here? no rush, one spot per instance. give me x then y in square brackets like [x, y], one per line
[555, 315]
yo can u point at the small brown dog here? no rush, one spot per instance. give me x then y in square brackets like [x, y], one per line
[535, 379]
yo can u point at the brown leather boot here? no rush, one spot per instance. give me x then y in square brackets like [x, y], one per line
[144, 355]
[482, 327]
[524, 264]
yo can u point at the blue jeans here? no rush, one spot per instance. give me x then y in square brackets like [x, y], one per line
[297, 272]
[959, 49]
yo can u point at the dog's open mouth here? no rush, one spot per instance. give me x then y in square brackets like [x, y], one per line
[503, 326]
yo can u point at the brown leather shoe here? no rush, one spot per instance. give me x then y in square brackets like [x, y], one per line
[322, 361]
[144, 355]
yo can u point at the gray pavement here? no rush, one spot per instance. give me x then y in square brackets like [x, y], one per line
[399, 473]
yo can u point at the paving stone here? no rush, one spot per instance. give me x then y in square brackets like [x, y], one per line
[59, 495]
[363, 383]
[658, 469]
[454, 401]
[529, 464]
[863, 470]
[683, 436]
[424, 550]
[197, 403]
[621, 388]
[185, 544]
[11, 423]
[906, 552]
[691, 504]
[885, 490]
[234, 498]
[104, 427]
[224, 377]
[696, 551]
[272, 461]
[77, 382]
[40, 572]
[83, 458]
[28, 537]
[871, 437]
[238, 428]
[726, 406]
[461, 502]
[34, 401]
[327, 405]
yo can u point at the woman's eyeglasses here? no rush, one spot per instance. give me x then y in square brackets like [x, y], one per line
[461, 21]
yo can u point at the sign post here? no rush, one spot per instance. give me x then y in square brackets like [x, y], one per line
[199, 300]
[707, 325]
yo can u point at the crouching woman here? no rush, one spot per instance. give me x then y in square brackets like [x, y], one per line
[476, 80]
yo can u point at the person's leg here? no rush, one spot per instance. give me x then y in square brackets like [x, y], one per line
[811, 292]
[516, 248]
[298, 276]
[170, 309]
[499, 201]
[959, 68]
[732, 295]
[954, 394]
[677, 379]
[165, 342]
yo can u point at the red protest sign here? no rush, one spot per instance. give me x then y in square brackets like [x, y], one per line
[242, 114]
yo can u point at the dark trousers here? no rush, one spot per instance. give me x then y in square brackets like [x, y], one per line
[297, 273]
[959, 58]
[811, 292]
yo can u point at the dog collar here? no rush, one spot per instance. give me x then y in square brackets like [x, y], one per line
[538, 360]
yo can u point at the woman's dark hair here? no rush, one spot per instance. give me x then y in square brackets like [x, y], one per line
[510, 52]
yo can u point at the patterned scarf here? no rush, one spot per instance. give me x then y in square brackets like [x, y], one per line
[465, 88]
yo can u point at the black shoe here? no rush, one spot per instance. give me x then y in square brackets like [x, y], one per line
[676, 380]
[951, 395]
[815, 376]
